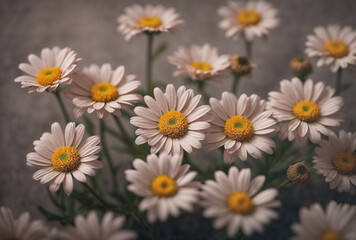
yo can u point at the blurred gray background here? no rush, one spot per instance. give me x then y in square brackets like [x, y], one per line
[89, 27]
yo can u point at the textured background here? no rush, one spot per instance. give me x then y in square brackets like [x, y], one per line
[89, 27]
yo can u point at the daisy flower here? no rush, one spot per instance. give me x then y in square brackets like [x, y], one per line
[234, 201]
[174, 121]
[54, 67]
[336, 161]
[306, 110]
[164, 184]
[90, 228]
[199, 63]
[150, 19]
[251, 19]
[22, 227]
[240, 125]
[334, 45]
[103, 90]
[337, 222]
[61, 155]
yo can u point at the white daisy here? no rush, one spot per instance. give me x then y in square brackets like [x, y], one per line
[55, 66]
[336, 160]
[21, 228]
[306, 110]
[333, 45]
[164, 184]
[103, 90]
[61, 155]
[336, 223]
[174, 121]
[151, 19]
[90, 228]
[251, 19]
[199, 63]
[234, 201]
[242, 126]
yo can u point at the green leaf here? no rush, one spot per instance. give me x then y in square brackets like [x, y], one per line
[159, 50]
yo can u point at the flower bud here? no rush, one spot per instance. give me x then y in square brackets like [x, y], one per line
[298, 173]
[240, 65]
[300, 66]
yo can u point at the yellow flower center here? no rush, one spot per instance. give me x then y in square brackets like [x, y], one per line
[240, 202]
[65, 159]
[49, 75]
[164, 186]
[306, 110]
[104, 92]
[336, 48]
[248, 17]
[345, 163]
[202, 66]
[330, 235]
[173, 124]
[238, 128]
[150, 21]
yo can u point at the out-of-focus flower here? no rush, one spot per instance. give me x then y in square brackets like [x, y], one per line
[300, 66]
[241, 65]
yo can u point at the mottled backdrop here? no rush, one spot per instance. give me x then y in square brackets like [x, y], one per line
[89, 27]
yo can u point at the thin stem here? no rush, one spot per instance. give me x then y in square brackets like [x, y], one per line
[107, 154]
[201, 88]
[283, 184]
[235, 83]
[126, 136]
[91, 190]
[248, 47]
[149, 62]
[61, 104]
[338, 87]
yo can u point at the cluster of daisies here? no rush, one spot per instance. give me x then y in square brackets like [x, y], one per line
[175, 123]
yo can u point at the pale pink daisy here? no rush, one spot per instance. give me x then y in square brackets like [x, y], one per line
[103, 90]
[165, 185]
[199, 62]
[333, 45]
[336, 161]
[151, 19]
[251, 19]
[235, 201]
[305, 110]
[174, 121]
[61, 155]
[90, 228]
[336, 222]
[242, 126]
[54, 67]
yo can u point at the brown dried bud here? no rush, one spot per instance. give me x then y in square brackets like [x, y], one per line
[300, 66]
[240, 65]
[298, 173]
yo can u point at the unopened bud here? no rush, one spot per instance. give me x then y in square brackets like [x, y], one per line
[298, 173]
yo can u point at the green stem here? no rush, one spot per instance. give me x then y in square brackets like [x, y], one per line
[283, 184]
[126, 136]
[201, 85]
[91, 190]
[149, 62]
[107, 154]
[61, 104]
[276, 155]
[338, 87]
[248, 47]
[235, 83]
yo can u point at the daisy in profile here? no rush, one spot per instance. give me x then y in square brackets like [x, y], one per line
[240, 125]
[199, 62]
[235, 201]
[306, 110]
[333, 45]
[251, 19]
[54, 67]
[165, 185]
[63, 154]
[103, 90]
[88, 228]
[336, 161]
[337, 222]
[174, 121]
[152, 19]
[21, 228]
